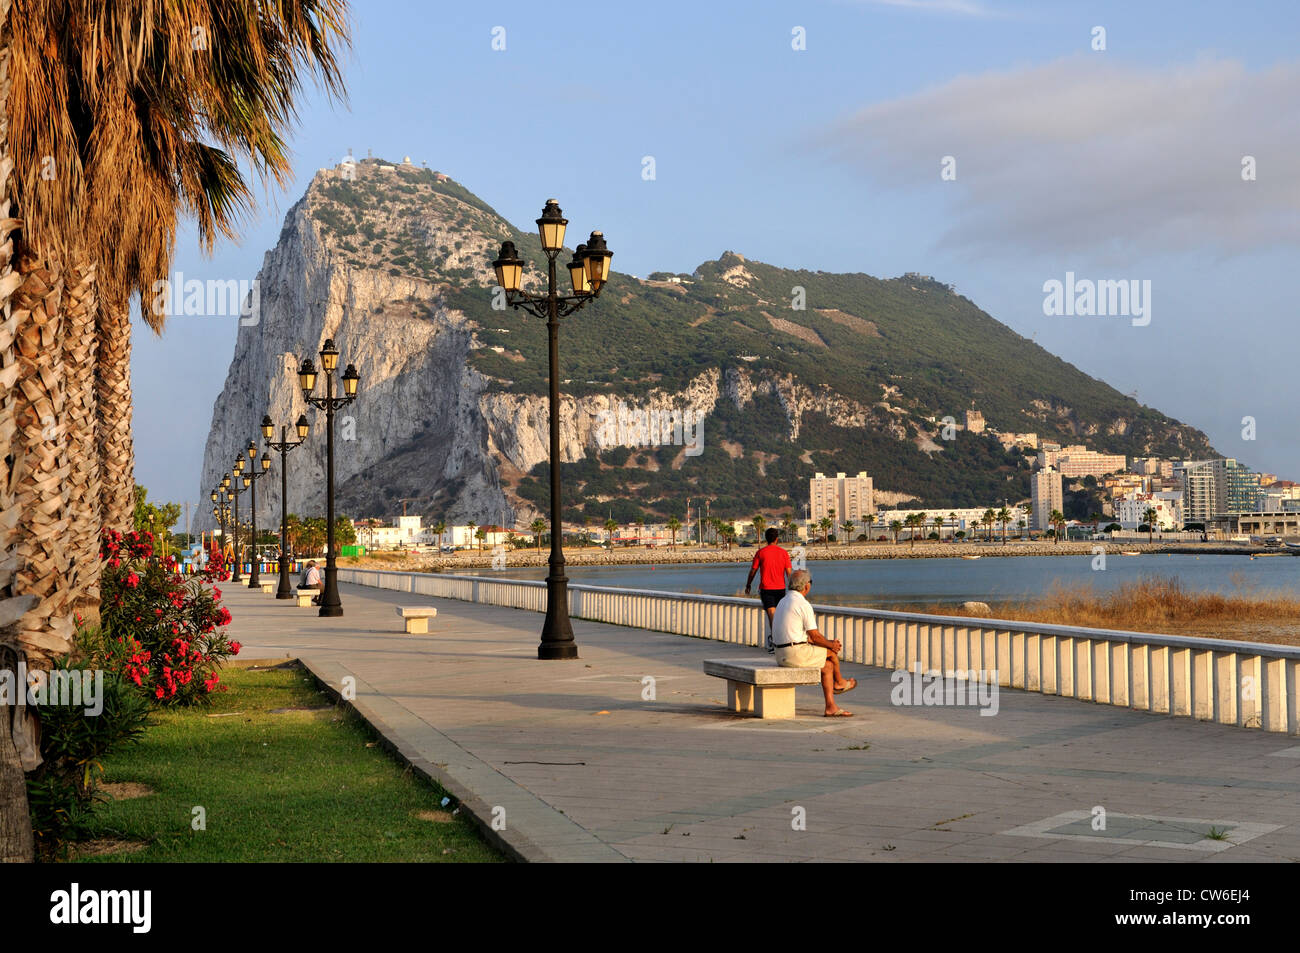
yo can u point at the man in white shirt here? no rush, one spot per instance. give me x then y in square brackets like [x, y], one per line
[800, 645]
[312, 580]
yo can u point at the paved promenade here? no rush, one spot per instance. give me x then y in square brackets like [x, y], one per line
[579, 766]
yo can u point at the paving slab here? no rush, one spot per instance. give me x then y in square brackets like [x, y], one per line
[587, 761]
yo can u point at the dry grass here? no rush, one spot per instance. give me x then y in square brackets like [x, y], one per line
[1164, 605]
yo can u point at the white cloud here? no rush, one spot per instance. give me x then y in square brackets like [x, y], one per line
[969, 8]
[1090, 153]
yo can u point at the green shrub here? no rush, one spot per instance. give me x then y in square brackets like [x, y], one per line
[74, 740]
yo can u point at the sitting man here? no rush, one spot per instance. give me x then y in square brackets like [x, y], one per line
[311, 580]
[800, 645]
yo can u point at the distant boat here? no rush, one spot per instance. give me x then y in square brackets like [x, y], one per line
[970, 557]
[1129, 552]
[1294, 547]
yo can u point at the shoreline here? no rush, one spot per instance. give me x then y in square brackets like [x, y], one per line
[577, 556]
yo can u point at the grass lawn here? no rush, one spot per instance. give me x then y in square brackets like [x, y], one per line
[306, 785]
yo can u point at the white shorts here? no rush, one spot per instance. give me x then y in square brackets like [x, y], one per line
[802, 655]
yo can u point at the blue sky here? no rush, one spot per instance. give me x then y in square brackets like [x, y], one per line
[1117, 164]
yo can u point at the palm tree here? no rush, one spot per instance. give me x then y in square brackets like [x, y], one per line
[1029, 512]
[870, 520]
[895, 527]
[471, 525]
[847, 526]
[586, 531]
[440, 527]
[538, 526]
[912, 521]
[610, 526]
[825, 524]
[1057, 519]
[1004, 517]
[988, 519]
[787, 524]
[480, 534]
[117, 97]
[938, 526]
[674, 524]
[952, 521]
[1150, 517]
[760, 524]
[922, 520]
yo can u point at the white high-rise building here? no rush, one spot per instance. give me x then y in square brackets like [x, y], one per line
[850, 497]
[1047, 495]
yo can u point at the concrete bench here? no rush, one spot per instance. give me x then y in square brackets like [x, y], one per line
[760, 686]
[417, 618]
[267, 588]
[305, 596]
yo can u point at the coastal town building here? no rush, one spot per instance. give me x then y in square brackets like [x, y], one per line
[1046, 495]
[1077, 460]
[967, 519]
[974, 421]
[1217, 487]
[1152, 466]
[1027, 441]
[1130, 511]
[850, 497]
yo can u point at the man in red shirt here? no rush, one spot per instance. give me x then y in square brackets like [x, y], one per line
[772, 564]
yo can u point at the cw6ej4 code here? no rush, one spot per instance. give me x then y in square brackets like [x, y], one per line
[1234, 895]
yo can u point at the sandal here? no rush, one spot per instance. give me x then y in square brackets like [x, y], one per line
[851, 684]
[840, 713]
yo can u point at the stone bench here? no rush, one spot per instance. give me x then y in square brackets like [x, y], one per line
[267, 588]
[417, 618]
[305, 596]
[760, 686]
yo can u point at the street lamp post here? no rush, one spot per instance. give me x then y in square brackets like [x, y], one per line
[588, 271]
[282, 447]
[254, 577]
[236, 476]
[218, 498]
[221, 497]
[330, 604]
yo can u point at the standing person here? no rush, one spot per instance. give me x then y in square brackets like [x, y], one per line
[772, 564]
[799, 644]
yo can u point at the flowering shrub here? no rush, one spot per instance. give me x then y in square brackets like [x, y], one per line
[163, 632]
[217, 568]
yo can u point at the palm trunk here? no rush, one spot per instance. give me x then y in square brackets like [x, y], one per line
[113, 390]
[80, 347]
[41, 459]
[16, 841]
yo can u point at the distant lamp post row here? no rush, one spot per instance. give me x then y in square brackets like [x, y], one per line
[282, 447]
[250, 480]
[330, 604]
[588, 272]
